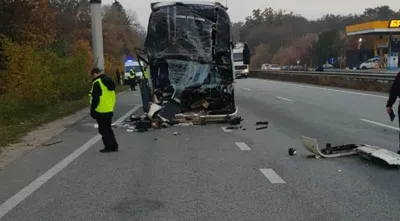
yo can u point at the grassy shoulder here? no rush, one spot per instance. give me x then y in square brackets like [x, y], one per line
[12, 131]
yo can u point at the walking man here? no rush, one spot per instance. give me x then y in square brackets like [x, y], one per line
[102, 105]
[394, 93]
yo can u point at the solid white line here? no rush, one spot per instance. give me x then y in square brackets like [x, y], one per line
[226, 130]
[380, 124]
[247, 89]
[242, 146]
[336, 90]
[32, 187]
[272, 176]
[282, 98]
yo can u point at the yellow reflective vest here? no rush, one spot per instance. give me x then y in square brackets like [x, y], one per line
[132, 74]
[107, 98]
[146, 74]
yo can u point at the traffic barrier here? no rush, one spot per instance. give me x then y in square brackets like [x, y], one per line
[380, 82]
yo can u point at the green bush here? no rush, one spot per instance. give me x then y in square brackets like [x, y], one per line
[36, 79]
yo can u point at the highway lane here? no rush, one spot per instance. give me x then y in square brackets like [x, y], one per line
[208, 174]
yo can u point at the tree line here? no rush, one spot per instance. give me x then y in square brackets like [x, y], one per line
[277, 36]
[45, 50]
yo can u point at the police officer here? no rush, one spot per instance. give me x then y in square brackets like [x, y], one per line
[394, 93]
[132, 78]
[102, 104]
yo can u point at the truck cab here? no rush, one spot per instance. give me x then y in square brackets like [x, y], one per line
[241, 68]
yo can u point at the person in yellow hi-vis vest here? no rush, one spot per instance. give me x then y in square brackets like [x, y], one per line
[146, 73]
[132, 79]
[102, 103]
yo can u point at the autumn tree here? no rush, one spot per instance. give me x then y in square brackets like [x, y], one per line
[298, 50]
[327, 46]
[261, 56]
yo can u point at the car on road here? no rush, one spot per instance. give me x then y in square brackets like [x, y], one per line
[370, 64]
[270, 67]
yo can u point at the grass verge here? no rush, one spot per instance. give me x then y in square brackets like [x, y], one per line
[12, 131]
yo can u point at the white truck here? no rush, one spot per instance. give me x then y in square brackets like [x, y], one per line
[241, 69]
[131, 64]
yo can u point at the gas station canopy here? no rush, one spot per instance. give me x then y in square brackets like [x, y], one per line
[375, 28]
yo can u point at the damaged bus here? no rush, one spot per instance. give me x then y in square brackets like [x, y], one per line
[188, 52]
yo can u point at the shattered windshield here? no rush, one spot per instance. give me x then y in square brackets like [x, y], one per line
[176, 31]
[191, 73]
[184, 40]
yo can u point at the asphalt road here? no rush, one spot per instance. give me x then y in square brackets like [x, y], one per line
[207, 173]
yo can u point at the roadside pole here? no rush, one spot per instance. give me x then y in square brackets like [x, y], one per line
[97, 33]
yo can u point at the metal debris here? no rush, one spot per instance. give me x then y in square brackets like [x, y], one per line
[292, 151]
[365, 150]
[262, 123]
[235, 120]
[261, 128]
[52, 142]
[177, 133]
[233, 127]
[184, 124]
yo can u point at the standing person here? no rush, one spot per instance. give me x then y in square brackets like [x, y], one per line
[132, 79]
[394, 93]
[102, 105]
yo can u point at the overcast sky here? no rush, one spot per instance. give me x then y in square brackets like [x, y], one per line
[239, 9]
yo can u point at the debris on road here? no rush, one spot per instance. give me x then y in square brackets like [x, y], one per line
[364, 150]
[235, 120]
[292, 151]
[176, 133]
[261, 128]
[52, 142]
[261, 123]
[184, 124]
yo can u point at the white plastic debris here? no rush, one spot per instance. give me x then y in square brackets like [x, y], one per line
[184, 124]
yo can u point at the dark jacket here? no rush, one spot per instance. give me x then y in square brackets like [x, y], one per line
[96, 93]
[394, 91]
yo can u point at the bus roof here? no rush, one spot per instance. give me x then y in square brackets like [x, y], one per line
[157, 5]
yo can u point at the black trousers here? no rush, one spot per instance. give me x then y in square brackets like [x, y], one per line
[107, 133]
[133, 84]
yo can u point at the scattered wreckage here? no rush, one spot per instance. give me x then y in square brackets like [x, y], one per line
[364, 150]
[188, 53]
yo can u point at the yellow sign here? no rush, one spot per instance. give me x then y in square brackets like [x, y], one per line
[394, 23]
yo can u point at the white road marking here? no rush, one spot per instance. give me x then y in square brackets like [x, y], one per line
[226, 130]
[330, 89]
[380, 124]
[36, 184]
[242, 146]
[272, 176]
[247, 89]
[285, 99]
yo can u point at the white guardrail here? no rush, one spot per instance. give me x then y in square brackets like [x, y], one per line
[385, 76]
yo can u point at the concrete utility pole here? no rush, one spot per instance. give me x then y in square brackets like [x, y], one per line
[97, 33]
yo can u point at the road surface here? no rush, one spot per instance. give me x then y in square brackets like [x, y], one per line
[208, 173]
